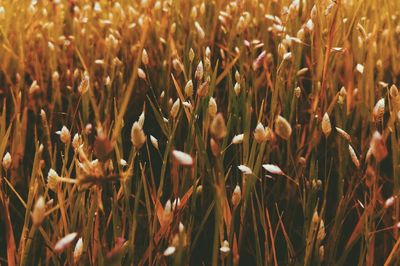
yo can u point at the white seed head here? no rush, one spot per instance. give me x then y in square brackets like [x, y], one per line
[64, 242]
[141, 119]
[65, 135]
[236, 196]
[175, 108]
[138, 137]
[169, 251]
[7, 161]
[259, 133]
[154, 142]
[76, 141]
[237, 139]
[39, 212]
[273, 169]
[189, 88]
[122, 162]
[78, 250]
[145, 57]
[326, 125]
[353, 157]
[283, 128]
[245, 169]
[212, 107]
[199, 71]
[378, 146]
[343, 133]
[225, 247]
[237, 88]
[191, 55]
[360, 68]
[237, 76]
[199, 29]
[182, 158]
[297, 92]
[218, 127]
[379, 109]
[389, 202]
[53, 179]
[84, 85]
[141, 73]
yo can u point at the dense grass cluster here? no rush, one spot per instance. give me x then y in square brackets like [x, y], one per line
[159, 132]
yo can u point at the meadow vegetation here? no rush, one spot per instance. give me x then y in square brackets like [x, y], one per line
[221, 132]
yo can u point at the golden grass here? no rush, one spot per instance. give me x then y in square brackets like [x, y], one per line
[158, 132]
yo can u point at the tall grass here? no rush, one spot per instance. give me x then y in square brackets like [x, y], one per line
[199, 132]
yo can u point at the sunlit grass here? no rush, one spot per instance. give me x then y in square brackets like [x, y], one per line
[199, 132]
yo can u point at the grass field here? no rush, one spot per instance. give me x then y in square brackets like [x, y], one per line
[195, 132]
